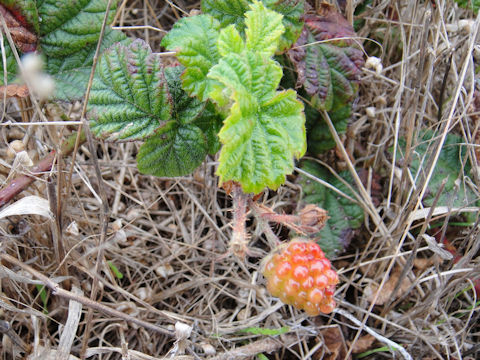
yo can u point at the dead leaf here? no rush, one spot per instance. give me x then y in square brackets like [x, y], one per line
[25, 40]
[14, 90]
[362, 344]
[335, 348]
[386, 293]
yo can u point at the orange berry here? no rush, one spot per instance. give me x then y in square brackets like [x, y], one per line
[301, 276]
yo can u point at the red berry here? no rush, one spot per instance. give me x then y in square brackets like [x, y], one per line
[301, 275]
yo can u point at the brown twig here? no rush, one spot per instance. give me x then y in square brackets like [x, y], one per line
[58, 291]
[20, 183]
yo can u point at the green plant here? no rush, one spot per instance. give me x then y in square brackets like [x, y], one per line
[263, 129]
[66, 35]
[224, 95]
[300, 275]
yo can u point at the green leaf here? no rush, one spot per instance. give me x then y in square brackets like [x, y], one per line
[11, 64]
[448, 165]
[71, 73]
[472, 5]
[115, 270]
[135, 97]
[230, 41]
[266, 331]
[68, 27]
[345, 216]
[195, 41]
[129, 93]
[265, 129]
[68, 33]
[263, 29]
[319, 138]
[233, 12]
[327, 69]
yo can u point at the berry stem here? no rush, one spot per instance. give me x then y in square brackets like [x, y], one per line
[239, 242]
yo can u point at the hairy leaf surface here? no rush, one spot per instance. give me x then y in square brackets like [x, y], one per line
[195, 41]
[263, 29]
[135, 97]
[345, 216]
[327, 68]
[233, 12]
[265, 129]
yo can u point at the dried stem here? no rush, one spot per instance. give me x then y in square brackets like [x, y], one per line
[20, 183]
[268, 345]
[58, 291]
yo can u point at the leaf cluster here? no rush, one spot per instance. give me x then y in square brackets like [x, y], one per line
[233, 66]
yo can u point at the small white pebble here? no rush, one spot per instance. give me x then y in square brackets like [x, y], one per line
[117, 225]
[466, 25]
[371, 111]
[15, 147]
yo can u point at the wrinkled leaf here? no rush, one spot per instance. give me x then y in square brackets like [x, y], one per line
[327, 68]
[230, 41]
[135, 97]
[195, 41]
[448, 165]
[265, 129]
[67, 33]
[263, 29]
[345, 216]
[129, 93]
[233, 12]
[71, 73]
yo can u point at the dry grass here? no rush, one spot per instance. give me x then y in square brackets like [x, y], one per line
[169, 237]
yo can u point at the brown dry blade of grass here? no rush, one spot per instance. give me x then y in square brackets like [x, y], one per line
[166, 237]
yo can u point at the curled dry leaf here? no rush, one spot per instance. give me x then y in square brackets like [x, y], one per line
[335, 348]
[363, 344]
[386, 293]
[25, 40]
[312, 218]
